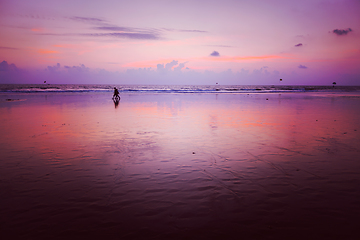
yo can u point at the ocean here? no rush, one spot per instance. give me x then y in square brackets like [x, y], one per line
[33, 88]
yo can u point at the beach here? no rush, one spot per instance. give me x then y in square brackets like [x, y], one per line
[180, 165]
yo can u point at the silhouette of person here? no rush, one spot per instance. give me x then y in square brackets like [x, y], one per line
[116, 94]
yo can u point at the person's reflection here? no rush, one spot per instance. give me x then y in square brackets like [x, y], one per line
[116, 102]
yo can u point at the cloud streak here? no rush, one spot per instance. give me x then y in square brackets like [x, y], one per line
[247, 58]
[302, 66]
[341, 32]
[126, 32]
[121, 29]
[8, 48]
[87, 19]
[141, 33]
[155, 63]
[223, 46]
[184, 30]
[46, 51]
[102, 29]
[298, 45]
[139, 36]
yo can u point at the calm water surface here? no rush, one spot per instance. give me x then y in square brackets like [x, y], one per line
[180, 166]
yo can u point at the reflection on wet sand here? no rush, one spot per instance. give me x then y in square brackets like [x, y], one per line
[176, 166]
[116, 102]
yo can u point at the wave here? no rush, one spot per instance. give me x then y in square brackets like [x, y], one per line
[69, 88]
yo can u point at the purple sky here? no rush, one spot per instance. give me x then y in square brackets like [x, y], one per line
[180, 42]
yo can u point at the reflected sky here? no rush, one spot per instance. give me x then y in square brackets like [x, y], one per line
[232, 125]
[177, 125]
[237, 158]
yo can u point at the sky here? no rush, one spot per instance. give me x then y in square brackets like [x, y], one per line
[308, 42]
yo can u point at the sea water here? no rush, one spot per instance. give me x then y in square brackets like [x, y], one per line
[172, 88]
[186, 162]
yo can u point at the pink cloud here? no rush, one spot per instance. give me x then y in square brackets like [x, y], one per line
[46, 51]
[37, 30]
[239, 58]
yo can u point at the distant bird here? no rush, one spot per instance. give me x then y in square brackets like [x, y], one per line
[334, 83]
[44, 81]
[280, 79]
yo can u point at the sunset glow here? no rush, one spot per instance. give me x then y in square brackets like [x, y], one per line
[314, 42]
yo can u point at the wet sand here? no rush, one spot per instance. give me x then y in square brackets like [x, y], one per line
[180, 166]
